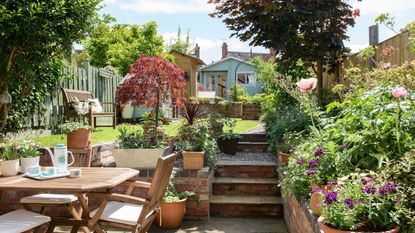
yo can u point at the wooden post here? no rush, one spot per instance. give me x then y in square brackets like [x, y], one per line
[373, 41]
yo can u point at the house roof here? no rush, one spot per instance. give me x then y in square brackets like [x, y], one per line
[225, 59]
[191, 56]
[246, 56]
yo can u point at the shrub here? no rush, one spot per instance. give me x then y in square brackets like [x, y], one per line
[133, 138]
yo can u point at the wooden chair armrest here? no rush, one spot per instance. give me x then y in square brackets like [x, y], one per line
[118, 197]
[139, 184]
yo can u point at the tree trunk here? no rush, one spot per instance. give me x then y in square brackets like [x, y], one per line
[320, 79]
[157, 108]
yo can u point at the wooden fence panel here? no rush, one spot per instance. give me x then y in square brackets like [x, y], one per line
[88, 79]
[402, 53]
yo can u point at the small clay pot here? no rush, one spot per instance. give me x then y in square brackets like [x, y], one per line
[326, 229]
[283, 157]
[171, 214]
[79, 139]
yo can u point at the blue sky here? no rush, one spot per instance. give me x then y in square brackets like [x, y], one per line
[210, 33]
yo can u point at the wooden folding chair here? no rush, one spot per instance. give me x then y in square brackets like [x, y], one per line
[22, 221]
[82, 158]
[130, 212]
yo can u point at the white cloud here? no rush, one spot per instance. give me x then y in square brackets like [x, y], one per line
[357, 47]
[211, 49]
[109, 1]
[383, 6]
[167, 6]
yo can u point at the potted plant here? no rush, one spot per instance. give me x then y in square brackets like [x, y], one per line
[10, 164]
[78, 134]
[29, 155]
[138, 150]
[361, 203]
[172, 207]
[192, 140]
[215, 124]
[290, 142]
[228, 140]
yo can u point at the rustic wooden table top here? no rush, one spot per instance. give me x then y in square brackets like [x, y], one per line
[91, 179]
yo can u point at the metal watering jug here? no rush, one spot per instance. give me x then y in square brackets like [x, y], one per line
[60, 158]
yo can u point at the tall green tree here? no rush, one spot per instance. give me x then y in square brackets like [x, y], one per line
[33, 36]
[180, 44]
[120, 45]
[310, 30]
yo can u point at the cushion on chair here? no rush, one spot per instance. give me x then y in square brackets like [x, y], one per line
[121, 212]
[48, 198]
[21, 220]
[96, 105]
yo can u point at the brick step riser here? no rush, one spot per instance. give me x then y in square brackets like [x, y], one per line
[245, 189]
[253, 138]
[246, 210]
[252, 148]
[246, 172]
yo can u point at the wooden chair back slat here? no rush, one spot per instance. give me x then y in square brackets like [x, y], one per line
[82, 157]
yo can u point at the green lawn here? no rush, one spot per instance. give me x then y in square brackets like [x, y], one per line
[107, 134]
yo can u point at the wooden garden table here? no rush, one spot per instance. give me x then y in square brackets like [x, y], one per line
[103, 180]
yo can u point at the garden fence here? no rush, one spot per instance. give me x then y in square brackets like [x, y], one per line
[402, 53]
[102, 82]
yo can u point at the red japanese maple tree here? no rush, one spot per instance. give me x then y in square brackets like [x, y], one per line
[152, 80]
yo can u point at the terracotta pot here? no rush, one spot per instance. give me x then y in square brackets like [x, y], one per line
[79, 139]
[228, 146]
[193, 160]
[326, 229]
[171, 214]
[316, 199]
[283, 157]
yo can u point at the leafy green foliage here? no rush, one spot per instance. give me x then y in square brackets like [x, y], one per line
[9, 152]
[120, 45]
[33, 36]
[237, 93]
[72, 126]
[29, 149]
[131, 137]
[180, 45]
[171, 194]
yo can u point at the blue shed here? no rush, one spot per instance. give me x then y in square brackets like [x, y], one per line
[221, 76]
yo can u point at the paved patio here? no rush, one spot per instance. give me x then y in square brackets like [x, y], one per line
[222, 225]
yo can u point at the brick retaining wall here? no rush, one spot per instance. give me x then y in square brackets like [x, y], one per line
[298, 216]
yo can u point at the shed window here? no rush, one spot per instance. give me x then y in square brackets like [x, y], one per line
[246, 79]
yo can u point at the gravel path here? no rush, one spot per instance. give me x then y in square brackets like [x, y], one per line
[246, 156]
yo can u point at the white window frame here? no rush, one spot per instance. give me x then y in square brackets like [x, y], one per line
[249, 84]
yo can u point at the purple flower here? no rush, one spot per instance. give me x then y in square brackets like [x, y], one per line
[330, 197]
[300, 161]
[311, 171]
[397, 201]
[332, 183]
[342, 146]
[369, 189]
[366, 181]
[313, 163]
[349, 202]
[319, 152]
[388, 188]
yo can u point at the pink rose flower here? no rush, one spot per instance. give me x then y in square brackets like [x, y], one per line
[308, 84]
[399, 92]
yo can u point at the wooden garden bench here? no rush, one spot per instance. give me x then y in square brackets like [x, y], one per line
[69, 96]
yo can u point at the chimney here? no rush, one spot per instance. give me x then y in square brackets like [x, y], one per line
[197, 51]
[224, 50]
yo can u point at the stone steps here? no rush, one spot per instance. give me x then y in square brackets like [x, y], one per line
[225, 205]
[245, 186]
[251, 112]
[253, 137]
[260, 147]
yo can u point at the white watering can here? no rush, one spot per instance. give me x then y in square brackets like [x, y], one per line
[60, 158]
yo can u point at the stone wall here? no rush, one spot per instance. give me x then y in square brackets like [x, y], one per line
[298, 216]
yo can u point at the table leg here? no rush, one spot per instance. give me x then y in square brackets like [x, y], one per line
[77, 216]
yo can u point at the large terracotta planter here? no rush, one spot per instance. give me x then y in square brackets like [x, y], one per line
[138, 158]
[326, 229]
[283, 157]
[193, 160]
[171, 214]
[79, 139]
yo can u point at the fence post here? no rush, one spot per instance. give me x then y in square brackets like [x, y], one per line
[373, 40]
